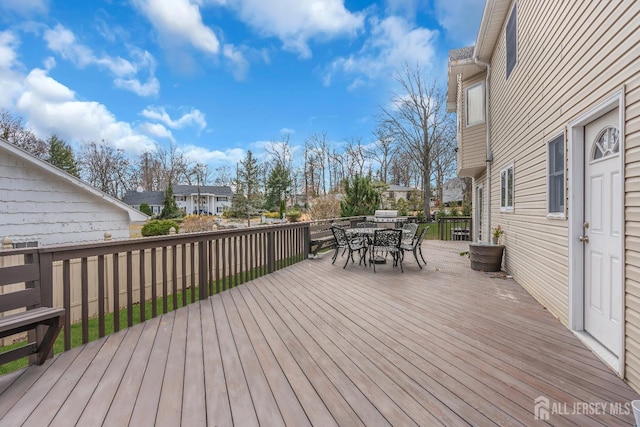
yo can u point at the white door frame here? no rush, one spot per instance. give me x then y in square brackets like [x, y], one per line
[576, 217]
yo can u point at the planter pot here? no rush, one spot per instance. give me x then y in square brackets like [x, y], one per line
[486, 257]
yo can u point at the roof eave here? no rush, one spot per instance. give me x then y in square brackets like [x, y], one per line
[493, 17]
[468, 68]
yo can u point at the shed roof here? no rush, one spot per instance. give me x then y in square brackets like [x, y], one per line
[59, 174]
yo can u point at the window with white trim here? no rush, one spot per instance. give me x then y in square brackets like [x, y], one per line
[511, 35]
[474, 104]
[556, 181]
[506, 189]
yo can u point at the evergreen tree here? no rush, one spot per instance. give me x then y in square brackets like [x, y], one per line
[278, 186]
[247, 199]
[146, 209]
[169, 208]
[61, 156]
[360, 197]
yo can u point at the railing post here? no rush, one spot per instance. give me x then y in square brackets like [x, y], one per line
[45, 266]
[46, 278]
[203, 270]
[307, 239]
[271, 252]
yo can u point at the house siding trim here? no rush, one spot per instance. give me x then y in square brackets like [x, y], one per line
[576, 144]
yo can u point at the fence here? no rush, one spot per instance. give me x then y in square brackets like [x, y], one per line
[455, 228]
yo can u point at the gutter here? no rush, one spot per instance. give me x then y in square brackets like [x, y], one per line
[489, 159]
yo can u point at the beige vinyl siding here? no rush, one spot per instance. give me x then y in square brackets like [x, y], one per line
[632, 228]
[571, 56]
[472, 152]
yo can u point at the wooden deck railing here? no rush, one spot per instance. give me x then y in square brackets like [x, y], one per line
[118, 283]
[150, 276]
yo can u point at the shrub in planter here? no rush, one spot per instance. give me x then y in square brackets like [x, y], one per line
[293, 216]
[159, 227]
[272, 215]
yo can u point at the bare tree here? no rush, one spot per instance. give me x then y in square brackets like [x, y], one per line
[16, 132]
[320, 147]
[417, 119]
[444, 161]
[382, 152]
[401, 169]
[223, 176]
[149, 172]
[356, 157]
[280, 153]
[175, 165]
[106, 168]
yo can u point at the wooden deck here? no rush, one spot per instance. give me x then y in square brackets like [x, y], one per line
[314, 344]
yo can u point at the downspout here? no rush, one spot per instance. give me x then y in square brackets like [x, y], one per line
[489, 159]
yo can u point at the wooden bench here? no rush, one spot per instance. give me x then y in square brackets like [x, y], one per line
[43, 323]
[322, 242]
[321, 235]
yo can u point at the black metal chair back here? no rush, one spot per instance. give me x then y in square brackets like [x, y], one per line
[387, 240]
[416, 247]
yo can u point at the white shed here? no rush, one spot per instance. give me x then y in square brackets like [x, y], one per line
[42, 205]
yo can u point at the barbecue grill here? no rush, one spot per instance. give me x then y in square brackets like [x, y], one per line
[388, 217]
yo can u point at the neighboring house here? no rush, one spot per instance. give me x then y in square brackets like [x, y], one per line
[397, 192]
[548, 111]
[453, 190]
[42, 205]
[155, 200]
[213, 199]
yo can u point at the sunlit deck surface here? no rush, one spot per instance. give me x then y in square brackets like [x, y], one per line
[316, 344]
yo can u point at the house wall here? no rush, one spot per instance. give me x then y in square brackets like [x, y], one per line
[471, 154]
[38, 206]
[571, 56]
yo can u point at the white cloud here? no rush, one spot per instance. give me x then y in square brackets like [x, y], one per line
[52, 107]
[63, 42]
[461, 19]
[195, 118]
[150, 88]
[406, 8]
[239, 64]
[179, 22]
[200, 154]
[157, 130]
[10, 79]
[295, 22]
[25, 7]
[393, 41]
[287, 131]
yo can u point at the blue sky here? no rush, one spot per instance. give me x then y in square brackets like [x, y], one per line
[217, 77]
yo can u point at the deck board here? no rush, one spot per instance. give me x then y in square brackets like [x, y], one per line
[316, 344]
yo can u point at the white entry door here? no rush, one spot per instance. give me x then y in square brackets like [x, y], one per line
[603, 232]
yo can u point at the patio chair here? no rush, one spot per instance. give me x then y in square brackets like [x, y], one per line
[387, 241]
[409, 231]
[415, 247]
[345, 242]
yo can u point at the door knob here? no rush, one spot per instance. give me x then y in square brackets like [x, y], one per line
[584, 239]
